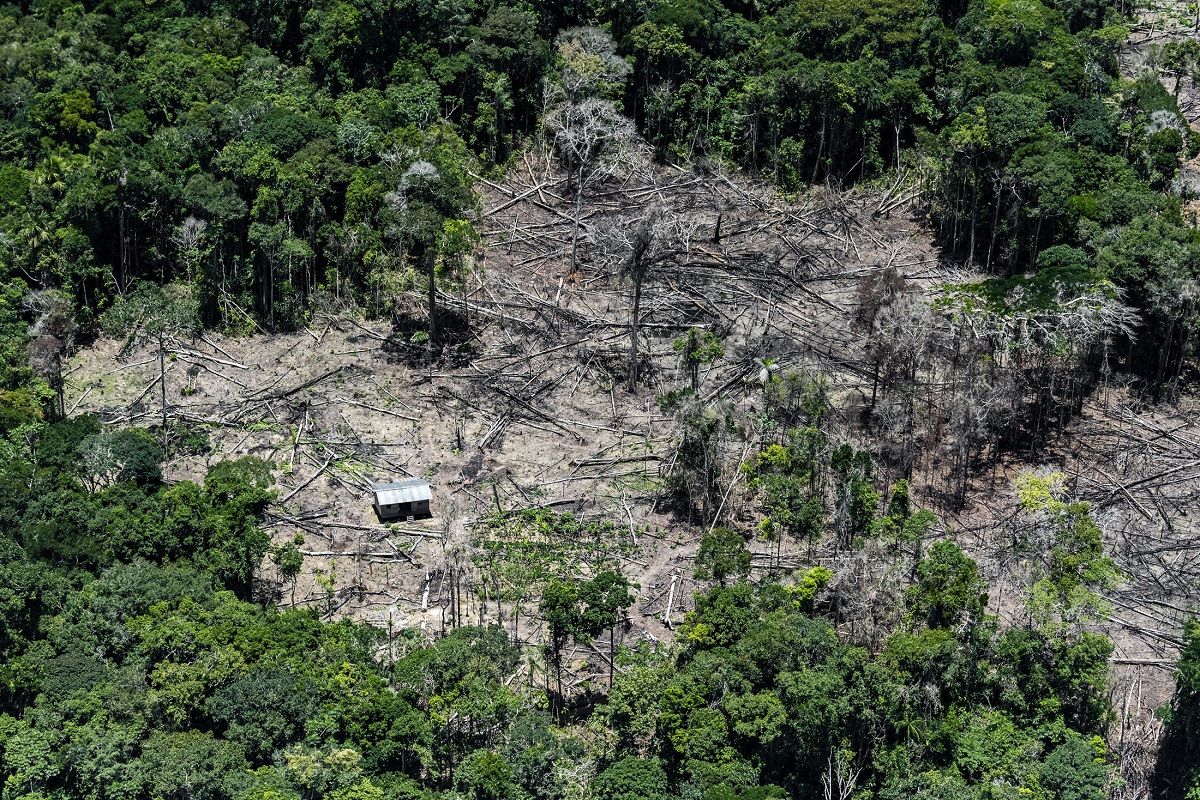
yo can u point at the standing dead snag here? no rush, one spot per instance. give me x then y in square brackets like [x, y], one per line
[45, 359]
[588, 65]
[51, 334]
[591, 137]
[841, 775]
[903, 334]
[1020, 354]
[594, 140]
[155, 313]
[635, 247]
[694, 475]
[413, 204]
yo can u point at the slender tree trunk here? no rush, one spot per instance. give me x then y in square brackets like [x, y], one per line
[271, 292]
[123, 256]
[1037, 237]
[612, 654]
[558, 700]
[462, 279]
[820, 148]
[995, 224]
[633, 332]
[957, 216]
[499, 610]
[974, 212]
[430, 269]
[575, 227]
[162, 387]
[458, 598]
[1180, 360]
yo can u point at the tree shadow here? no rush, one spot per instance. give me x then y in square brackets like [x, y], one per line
[409, 342]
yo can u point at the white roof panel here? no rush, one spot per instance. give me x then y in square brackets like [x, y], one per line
[407, 491]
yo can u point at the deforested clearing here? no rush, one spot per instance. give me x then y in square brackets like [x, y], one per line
[676, 400]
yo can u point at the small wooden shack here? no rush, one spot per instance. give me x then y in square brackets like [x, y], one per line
[402, 499]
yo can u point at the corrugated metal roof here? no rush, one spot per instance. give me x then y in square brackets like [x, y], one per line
[407, 491]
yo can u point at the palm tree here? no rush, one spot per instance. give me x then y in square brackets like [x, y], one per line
[51, 173]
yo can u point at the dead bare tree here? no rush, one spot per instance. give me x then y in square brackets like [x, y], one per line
[841, 775]
[591, 137]
[1048, 338]
[594, 141]
[635, 247]
[588, 65]
[52, 334]
[694, 473]
[902, 336]
[875, 292]
[191, 240]
[970, 368]
[155, 313]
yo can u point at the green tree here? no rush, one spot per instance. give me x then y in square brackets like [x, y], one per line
[605, 598]
[426, 213]
[288, 560]
[949, 591]
[791, 480]
[1075, 769]
[857, 499]
[695, 477]
[723, 554]
[560, 608]
[192, 764]
[1177, 770]
[484, 775]
[263, 710]
[632, 778]
[131, 454]
[238, 493]
[1075, 570]
[696, 348]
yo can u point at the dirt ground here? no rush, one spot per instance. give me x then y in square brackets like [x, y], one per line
[1138, 465]
[537, 414]
[529, 410]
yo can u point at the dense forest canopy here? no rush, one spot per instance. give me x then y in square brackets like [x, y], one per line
[241, 164]
[260, 150]
[137, 664]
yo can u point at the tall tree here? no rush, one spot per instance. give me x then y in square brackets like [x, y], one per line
[588, 132]
[155, 313]
[636, 247]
